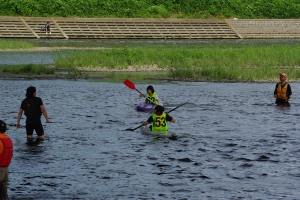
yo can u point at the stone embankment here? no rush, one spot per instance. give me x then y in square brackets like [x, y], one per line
[136, 28]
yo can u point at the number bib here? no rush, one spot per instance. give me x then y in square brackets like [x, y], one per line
[159, 122]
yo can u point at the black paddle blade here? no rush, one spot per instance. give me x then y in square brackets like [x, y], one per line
[133, 129]
[129, 129]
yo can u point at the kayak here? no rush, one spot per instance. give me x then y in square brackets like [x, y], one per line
[145, 107]
[167, 134]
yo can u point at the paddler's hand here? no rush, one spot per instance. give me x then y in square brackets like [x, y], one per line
[18, 125]
[142, 95]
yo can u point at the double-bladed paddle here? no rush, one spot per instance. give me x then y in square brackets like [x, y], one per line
[133, 129]
[131, 85]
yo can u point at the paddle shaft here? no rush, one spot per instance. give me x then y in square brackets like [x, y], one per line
[177, 107]
[130, 129]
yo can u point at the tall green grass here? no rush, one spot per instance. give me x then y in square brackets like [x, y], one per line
[246, 63]
[28, 69]
[15, 44]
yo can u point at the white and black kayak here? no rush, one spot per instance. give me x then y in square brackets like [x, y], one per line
[167, 134]
[145, 107]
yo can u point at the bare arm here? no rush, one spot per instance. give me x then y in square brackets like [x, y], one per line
[44, 111]
[173, 119]
[145, 123]
[19, 118]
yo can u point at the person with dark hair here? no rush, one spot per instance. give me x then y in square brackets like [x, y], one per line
[159, 119]
[151, 96]
[48, 28]
[33, 108]
[6, 153]
[283, 91]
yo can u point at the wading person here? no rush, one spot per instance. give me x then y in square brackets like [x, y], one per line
[33, 108]
[6, 153]
[283, 91]
[151, 96]
[159, 119]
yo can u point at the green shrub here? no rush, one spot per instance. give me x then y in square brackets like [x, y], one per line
[275, 9]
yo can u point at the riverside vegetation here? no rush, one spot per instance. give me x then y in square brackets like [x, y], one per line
[275, 9]
[218, 62]
[247, 63]
[15, 44]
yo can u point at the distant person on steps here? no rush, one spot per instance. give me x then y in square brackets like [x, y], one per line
[48, 28]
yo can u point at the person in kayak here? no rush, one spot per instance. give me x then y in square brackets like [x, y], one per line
[159, 119]
[151, 96]
[34, 108]
[283, 91]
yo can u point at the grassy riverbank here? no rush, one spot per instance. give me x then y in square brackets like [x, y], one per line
[275, 9]
[246, 63]
[15, 44]
[28, 69]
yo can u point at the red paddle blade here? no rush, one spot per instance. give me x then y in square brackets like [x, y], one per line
[129, 84]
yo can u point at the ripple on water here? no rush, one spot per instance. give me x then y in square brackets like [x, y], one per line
[244, 151]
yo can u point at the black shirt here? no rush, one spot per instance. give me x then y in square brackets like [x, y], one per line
[31, 107]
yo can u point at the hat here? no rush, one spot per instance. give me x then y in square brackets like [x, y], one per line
[283, 74]
[159, 108]
[2, 126]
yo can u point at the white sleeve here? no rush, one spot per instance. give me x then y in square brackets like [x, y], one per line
[157, 98]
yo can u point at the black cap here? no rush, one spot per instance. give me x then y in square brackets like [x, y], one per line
[3, 127]
[159, 108]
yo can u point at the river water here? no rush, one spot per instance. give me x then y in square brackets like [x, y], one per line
[233, 143]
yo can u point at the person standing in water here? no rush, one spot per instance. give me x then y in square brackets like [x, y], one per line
[6, 153]
[33, 108]
[151, 96]
[283, 91]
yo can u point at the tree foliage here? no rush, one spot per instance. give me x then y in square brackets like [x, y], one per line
[275, 9]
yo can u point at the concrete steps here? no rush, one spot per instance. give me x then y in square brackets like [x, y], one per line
[268, 29]
[136, 28]
[77, 28]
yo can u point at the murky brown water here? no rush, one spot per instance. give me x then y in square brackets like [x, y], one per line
[234, 143]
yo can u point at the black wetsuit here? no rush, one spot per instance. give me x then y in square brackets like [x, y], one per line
[33, 113]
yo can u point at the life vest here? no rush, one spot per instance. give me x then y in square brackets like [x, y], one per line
[32, 108]
[151, 99]
[281, 91]
[159, 122]
[7, 152]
